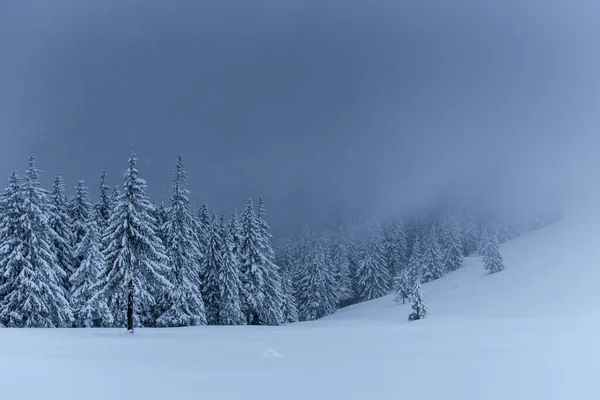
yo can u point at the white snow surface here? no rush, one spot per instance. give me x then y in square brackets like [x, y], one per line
[529, 332]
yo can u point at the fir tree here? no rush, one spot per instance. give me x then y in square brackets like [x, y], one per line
[341, 270]
[415, 263]
[492, 259]
[60, 224]
[161, 215]
[402, 286]
[419, 309]
[81, 213]
[183, 304]
[317, 293]
[271, 310]
[432, 260]
[104, 206]
[135, 257]
[89, 311]
[211, 265]
[392, 250]
[31, 293]
[203, 225]
[452, 247]
[373, 279]
[252, 272]
[230, 311]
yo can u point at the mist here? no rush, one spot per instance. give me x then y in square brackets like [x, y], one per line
[323, 107]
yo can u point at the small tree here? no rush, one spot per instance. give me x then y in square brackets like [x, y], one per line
[419, 309]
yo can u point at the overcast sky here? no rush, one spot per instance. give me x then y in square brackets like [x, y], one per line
[319, 105]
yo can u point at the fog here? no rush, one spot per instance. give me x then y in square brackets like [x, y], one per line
[323, 107]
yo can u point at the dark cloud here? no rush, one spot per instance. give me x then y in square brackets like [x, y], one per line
[318, 105]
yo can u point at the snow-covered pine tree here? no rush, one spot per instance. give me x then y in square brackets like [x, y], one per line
[271, 311]
[183, 304]
[251, 267]
[289, 303]
[202, 225]
[31, 293]
[419, 309]
[81, 213]
[470, 237]
[372, 273]
[136, 262]
[452, 246]
[211, 265]
[317, 295]
[230, 311]
[432, 260]
[402, 286]
[415, 262]
[60, 224]
[341, 269]
[104, 205]
[161, 214]
[88, 309]
[392, 252]
[492, 259]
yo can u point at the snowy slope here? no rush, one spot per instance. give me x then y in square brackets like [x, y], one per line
[529, 332]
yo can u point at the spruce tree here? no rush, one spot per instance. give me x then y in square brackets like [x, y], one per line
[211, 265]
[372, 273]
[183, 304]
[89, 310]
[432, 260]
[402, 286]
[104, 205]
[341, 269]
[60, 224]
[161, 215]
[452, 246]
[31, 291]
[317, 293]
[415, 263]
[230, 311]
[136, 262]
[203, 225]
[252, 271]
[492, 259]
[392, 250]
[271, 310]
[81, 213]
[419, 309]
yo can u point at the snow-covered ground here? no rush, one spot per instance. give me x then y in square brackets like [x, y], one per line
[529, 332]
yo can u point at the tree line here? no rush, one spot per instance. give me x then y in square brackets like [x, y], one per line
[125, 262]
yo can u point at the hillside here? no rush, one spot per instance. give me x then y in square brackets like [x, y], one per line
[529, 332]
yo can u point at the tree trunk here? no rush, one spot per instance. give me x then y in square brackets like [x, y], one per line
[130, 306]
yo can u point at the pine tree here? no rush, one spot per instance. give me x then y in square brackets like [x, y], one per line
[341, 270]
[183, 305]
[402, 286]
[271, 310]
[492, 259]
[317, 293]
[373, 279]
[432, 260]
[419, 309]
[252, 272]
[104, 206]
[89, 310]
[161, 215]
[135, 257]
[392, 251]
[60, 224]
[81, 213]
[31, 292]
[469, 233]
[452, 246]
[203, 225]
[415, 263]
[230, 311]
[211, 265]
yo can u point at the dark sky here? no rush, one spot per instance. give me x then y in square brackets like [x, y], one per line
[320, 105]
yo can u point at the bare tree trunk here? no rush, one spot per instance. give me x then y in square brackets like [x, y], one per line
[130, 306]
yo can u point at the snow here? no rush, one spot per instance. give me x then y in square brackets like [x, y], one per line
[528, 332]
